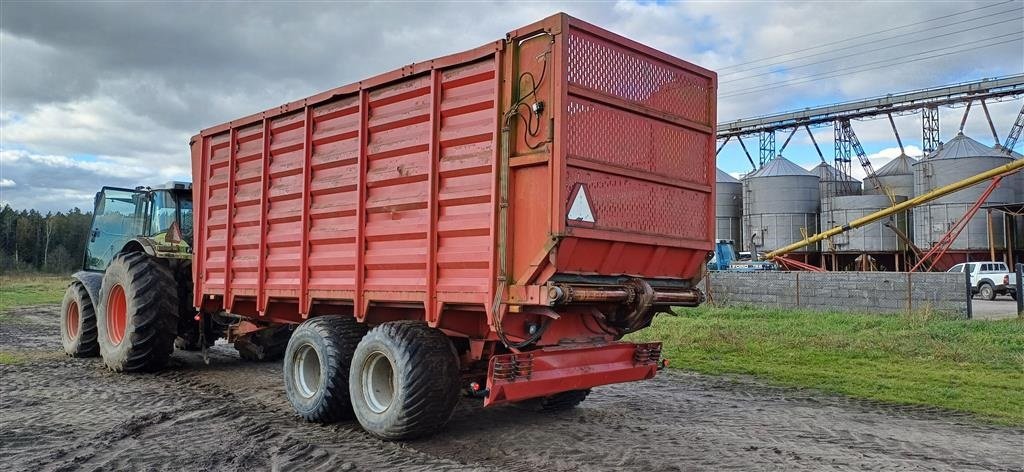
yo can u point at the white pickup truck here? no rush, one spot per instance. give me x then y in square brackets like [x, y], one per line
[990, 278]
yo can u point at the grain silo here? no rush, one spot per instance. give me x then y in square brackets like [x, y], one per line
[879, 240]
[956, 160]
[780, 205]
[728, 207]
[1016, 230]
[833, 183]
[897, 176]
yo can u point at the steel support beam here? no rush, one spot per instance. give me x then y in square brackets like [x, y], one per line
[1014, 135]
[767, 147]
[930, 129]
[743, 145]
[1009, 86]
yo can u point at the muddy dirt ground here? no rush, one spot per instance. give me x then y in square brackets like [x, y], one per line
[58, 413]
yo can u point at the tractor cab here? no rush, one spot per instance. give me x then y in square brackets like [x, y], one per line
[157, 221]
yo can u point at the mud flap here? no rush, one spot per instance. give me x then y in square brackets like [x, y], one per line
[543, 372]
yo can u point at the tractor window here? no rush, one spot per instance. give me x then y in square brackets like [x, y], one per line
[119, 216]
[164, 212]
[186, 219]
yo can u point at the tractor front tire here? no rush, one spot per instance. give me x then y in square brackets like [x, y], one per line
[404, 380]
[78, 323]
[316, 367]
[137, 319]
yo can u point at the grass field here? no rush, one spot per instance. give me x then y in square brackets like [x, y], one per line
[17, 290]
[969, 366]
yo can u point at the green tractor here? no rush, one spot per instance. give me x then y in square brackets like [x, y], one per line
[132, 302]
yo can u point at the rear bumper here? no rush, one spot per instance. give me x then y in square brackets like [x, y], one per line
[515, 377]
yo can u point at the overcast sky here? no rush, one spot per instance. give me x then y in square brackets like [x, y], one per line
[96, 94]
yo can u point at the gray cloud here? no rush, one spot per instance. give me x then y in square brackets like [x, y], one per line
[126, 84]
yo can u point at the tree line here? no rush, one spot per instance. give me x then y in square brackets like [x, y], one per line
[33, 242]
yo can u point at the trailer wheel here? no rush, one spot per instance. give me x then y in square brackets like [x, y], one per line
[404, 380]
[563, 401]
[316, 367]
[137, 319]
[78, 323]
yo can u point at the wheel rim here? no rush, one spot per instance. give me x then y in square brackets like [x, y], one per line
[117, 314]
[71, 320]
[306, 371]
[378, 380]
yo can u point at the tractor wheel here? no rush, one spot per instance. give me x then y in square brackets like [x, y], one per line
[137, 320]
[404, 380]
[987, 291]
[78, 323]
[563, 401]
[265, 345]
[316, 367]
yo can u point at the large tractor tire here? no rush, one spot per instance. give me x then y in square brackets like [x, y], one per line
[265, 345]
[316, 367]
[137, 320]
[404, 380]
[78, 323]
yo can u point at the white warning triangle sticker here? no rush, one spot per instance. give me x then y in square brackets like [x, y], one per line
[580, 209]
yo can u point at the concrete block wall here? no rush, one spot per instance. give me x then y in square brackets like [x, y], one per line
[864, 292]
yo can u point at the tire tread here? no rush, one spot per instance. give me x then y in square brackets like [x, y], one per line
[341, 335]
[153, 294]
[427, 359]
[87, 344]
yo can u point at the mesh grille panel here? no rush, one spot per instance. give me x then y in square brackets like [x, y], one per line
[626, 204]
[633, 141]
[622, 73]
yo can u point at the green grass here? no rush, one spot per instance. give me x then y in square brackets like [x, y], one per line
[7, 358]
[969, 366]
[18, 290]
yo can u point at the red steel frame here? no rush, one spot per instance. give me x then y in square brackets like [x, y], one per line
[380, 198]
[934, 255]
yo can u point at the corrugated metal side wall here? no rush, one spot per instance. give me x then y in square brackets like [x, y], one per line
[428, 143]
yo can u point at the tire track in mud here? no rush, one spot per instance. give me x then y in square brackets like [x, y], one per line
[72, 414]
[60, 414]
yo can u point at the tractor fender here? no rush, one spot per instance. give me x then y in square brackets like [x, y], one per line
[91, 281]
[140, 245]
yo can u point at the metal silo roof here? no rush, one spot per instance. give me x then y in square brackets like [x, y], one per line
[828, 173]
[778, 167]
[963, 146]
[724, 178]
[901, 165]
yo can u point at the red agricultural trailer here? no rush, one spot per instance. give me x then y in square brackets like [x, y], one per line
[491, 222]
